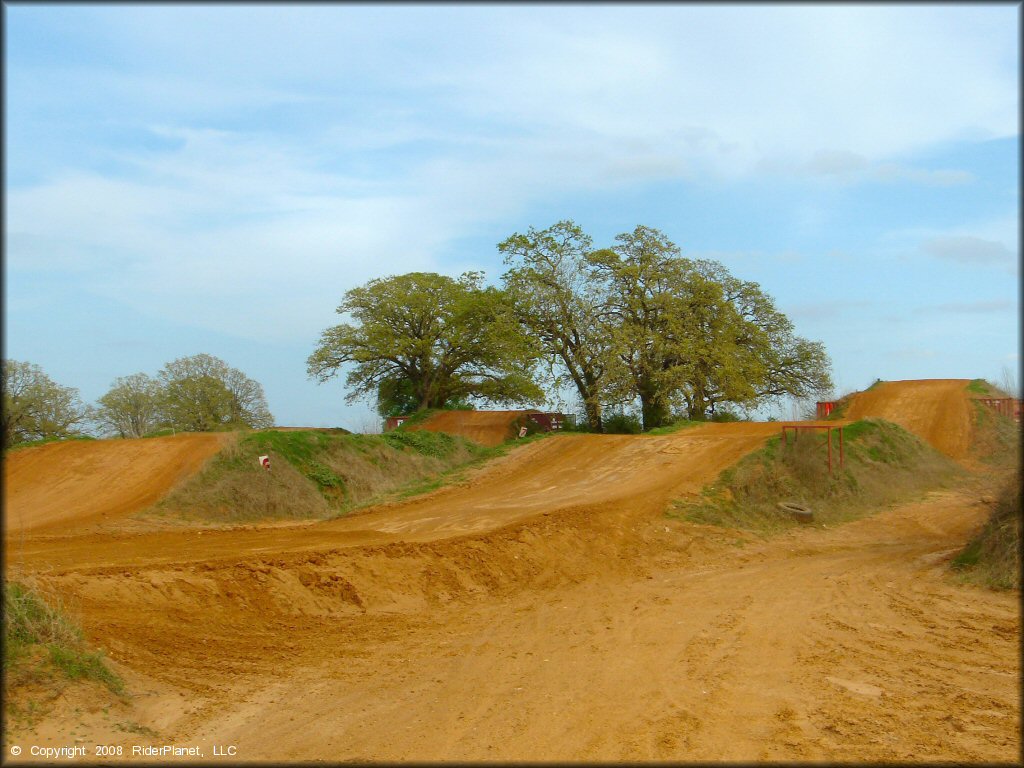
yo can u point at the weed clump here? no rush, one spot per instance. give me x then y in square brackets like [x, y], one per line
[996, 439]
[42, 644]
[992, 557]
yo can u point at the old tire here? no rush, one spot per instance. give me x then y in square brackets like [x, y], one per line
[798, 512]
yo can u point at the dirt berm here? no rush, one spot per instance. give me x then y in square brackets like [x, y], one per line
[546, 609]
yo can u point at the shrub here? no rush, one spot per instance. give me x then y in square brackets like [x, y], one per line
[622, 424]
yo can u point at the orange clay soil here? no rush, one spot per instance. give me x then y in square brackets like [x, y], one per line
[546, 609]
[58, 486]
[938, 411]
[484, 427]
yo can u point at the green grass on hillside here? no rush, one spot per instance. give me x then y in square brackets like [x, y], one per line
[318, 474]
[992, 557]
[980, 387]
[883, 464]
[996, 438]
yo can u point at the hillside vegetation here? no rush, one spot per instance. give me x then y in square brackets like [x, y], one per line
[316, 474]
[884, 464]
[992, 557]
[44, 653]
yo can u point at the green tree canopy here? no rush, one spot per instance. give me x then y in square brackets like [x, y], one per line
[35, 407]
[751, 354]
[688, 332]
[650, 301]
[560, 305]
[202, 393]
[430, 338]
[131, 408]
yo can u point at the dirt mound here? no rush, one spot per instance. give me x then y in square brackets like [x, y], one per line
[546, 609]
[484, 427]
[567, 475]
[936, 410]
[66, 485]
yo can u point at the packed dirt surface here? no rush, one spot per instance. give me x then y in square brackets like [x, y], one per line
[936, 410]
[484, 427]
[59, 487]
[547, 609]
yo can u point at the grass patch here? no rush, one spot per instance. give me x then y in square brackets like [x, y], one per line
[884, 464]
[980, 387]
[995, 438]
[439, 445]
[992, 558]
[316, 474]
[43, 646]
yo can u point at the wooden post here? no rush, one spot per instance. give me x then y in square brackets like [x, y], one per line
[828, 435]
[841, 463]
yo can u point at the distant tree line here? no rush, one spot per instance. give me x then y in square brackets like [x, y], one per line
[191, 394]
[635, 323]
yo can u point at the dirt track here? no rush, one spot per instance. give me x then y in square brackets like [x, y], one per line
[547, 610]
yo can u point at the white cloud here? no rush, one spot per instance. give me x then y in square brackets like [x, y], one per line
[723, 88]
[967, 249]
[941, 177]
[829, 310]
[849, 167]
[835, 162]
[996, 306]
[483, 110]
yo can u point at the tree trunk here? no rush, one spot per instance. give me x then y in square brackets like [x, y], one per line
[699, 407]
[592, 408]
[653, 408]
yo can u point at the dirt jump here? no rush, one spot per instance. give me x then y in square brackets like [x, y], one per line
[546, 609]
[484, 427]
[60, 486]
[936, 410]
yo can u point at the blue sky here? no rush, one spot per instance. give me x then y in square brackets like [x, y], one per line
[201, 178]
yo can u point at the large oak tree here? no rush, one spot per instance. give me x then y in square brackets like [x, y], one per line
[559, 303]
[131, 407]
[429, 340]
[688, 332]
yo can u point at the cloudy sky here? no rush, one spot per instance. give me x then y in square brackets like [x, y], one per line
[200, 178]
